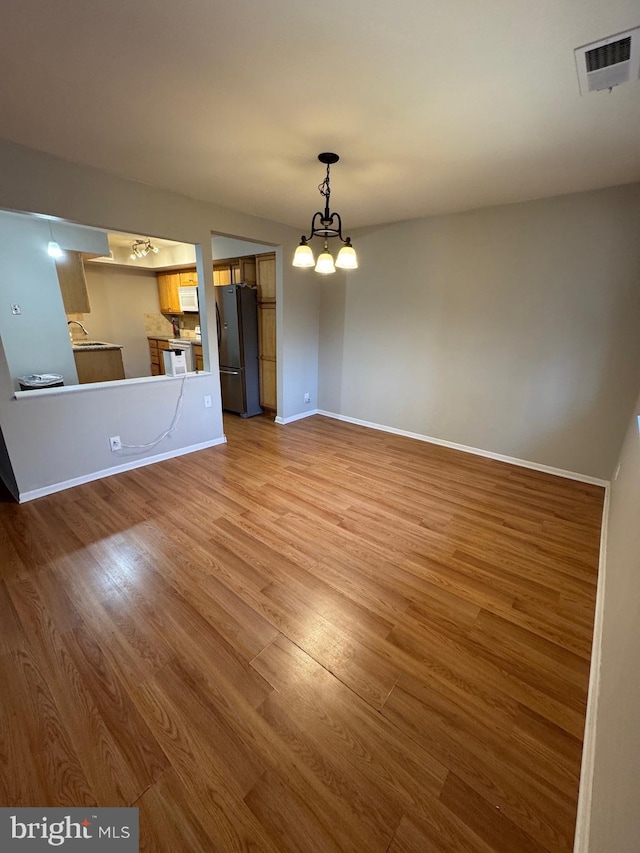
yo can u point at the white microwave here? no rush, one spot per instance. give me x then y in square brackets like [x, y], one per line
[188, 298]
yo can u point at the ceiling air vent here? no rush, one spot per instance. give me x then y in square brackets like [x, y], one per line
[609, 62]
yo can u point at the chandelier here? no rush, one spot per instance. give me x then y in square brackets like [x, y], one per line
[141, 248]
[326, 225]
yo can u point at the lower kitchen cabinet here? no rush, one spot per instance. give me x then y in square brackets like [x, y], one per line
[156, 347]
[98, 365]
[197, 356]
[266, 284]
[267, 341]
[268, 399]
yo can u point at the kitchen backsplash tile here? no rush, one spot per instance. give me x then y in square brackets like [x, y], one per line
[157, 324]
[188, 323]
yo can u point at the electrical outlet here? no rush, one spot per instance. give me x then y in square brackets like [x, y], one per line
[16, 309]
[207, 401]
[307, 397]
[115, 443]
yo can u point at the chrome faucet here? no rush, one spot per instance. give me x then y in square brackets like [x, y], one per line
[78, 323]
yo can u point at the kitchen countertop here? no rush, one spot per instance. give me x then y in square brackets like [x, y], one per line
[92, 346]
[196, 341]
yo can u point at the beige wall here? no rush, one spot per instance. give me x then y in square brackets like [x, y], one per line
[119, 299]
[37, 339]
[514, 329]
[615, 808]
[57, 439]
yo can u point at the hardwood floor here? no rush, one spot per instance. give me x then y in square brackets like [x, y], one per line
[315, 638]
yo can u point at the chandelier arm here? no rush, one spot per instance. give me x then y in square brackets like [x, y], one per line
[317, 232]
[314, 230]
[339, 234]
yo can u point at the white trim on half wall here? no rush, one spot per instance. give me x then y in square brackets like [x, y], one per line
[118, 469]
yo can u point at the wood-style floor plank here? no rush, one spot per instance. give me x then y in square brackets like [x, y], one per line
[335, 640]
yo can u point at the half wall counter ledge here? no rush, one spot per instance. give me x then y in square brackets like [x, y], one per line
[64, 390]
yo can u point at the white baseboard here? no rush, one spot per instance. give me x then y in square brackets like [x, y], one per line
[581, 844]
[117, 469]
[476, 451]
[298, 417]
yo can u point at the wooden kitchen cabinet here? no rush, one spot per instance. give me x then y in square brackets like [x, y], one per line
[223, 273]
[268, 385]
[156, 347]
[267, 331]
[259, 271]
[266, 285]
[73, 284]
[267, 355]
[197, 357]
[234, 271]
[98, 365]
[248, 270]
[169, 284]
[266, 277]
[168, 292]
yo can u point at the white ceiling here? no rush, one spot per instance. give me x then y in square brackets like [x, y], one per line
[170, 252]
[433, 106]
[122, 240]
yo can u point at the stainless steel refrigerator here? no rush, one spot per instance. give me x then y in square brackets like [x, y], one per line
[237, 315]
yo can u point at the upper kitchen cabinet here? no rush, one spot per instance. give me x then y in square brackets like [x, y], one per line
[223, 273]
[234, 271]
[168, 284]
[188, 278]
[73, 284]
[247, 270]
[266, 277]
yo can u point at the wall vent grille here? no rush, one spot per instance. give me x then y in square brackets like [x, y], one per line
[609, 62]
[608, 54]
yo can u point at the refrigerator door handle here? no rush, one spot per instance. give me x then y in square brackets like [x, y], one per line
[230, 372]
[218, 323]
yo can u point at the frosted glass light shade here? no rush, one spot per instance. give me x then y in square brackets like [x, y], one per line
[54, 249]
[303, 256]
[347, 258]
[325, 264]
